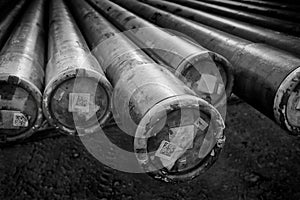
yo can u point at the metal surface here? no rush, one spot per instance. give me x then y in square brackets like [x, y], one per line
[22, 76]
[241, 29]
[153, 106]
[7, 24]
[265, 77]
[271, 4]
[77, 94]
[260, 20]
[207, 73]
[272, 12]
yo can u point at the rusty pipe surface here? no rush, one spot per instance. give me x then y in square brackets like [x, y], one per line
[206, 72]
[272, 12]
[77, 94]
[245, 30]
[265, 77]
[153, 105]
[260, 20]
[8, 23]
[22, 76]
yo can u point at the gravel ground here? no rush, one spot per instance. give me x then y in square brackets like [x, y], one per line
[259, 161]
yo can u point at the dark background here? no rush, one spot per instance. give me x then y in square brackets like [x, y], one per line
[259, 161]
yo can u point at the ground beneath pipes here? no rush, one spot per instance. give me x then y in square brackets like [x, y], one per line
[259, 161]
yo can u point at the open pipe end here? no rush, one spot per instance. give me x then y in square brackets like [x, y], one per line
[287, 103]
[78, 99]
[20, 108]
[179, 138]
[210, 76]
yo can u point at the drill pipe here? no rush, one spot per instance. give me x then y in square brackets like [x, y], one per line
[22, 76]
[241, 29]
[260, 20]
[271, 4]
[265, 77]
[7, 24]
[207, 73]
[77, 94]
[272, 12]
[149, 103]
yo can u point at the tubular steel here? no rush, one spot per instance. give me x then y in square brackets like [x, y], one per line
[272, 12]
[260, 20]
[77, 94]
[22, 76]
[271, 4]
[241, 29]
[177, 135]
[206, 72]
[265, 77]
[7, 24]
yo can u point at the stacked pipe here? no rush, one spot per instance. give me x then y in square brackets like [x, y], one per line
[77, 93]
[265, 77]
[245, 30]
[260, 20]
[272, 12]
[270, 4]
[207, 73]
[8, 23]
[177, 135]
[22, 76]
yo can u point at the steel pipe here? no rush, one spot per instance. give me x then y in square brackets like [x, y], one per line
[271, 4]
[22, 76]
[272, 12]
[260, 20]
[265, 77]
[176, 134]
[8, 23]
[77, 94]
[241, 29]
[207, 73]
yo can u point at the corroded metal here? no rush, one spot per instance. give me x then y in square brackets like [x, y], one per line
[7, 24]
[22, 76]
[77, 94]
[245, 30]
[153, 105]
[265, 77]
[260, 20]
[205, 72]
